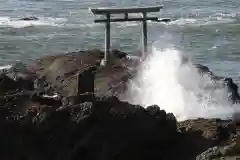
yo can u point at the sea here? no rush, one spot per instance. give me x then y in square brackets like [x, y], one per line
[207, 31]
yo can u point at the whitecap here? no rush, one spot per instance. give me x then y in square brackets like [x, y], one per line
[43, 21]
[201, 21]
[183, 21]
[232, 15]
[6, 67]
[127, 24]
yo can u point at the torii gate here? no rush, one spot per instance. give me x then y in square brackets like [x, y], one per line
[108, 11]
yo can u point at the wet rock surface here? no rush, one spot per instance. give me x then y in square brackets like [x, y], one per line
[67, 107]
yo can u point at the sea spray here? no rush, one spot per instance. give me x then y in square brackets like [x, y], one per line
[169, 79]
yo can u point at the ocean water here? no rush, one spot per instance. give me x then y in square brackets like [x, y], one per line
[208, 32]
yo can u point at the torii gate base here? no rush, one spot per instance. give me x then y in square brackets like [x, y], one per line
[125, 11]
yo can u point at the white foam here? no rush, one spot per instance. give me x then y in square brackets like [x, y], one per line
[233, 15]
[85, 25]
[183, 21]
[178, 88]
[44, 21]
[201, 21]
[6, 67]
[127, 24]
[218, 20]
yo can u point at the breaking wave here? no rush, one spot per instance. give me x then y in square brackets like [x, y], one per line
[178, 88]
[16, 23]
[217, 18]
[6, 67]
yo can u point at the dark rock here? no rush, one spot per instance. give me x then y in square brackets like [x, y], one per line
[156, 112]
[7, 84]
[81, 111]
[73, 100]
[61, 72]
[46, 100]
[218, 134]
[233, 148]
[102, 129]
[236, 118]
[203, 69]
[17, 78]
[222, 133]
[232, 88]
[119, 54]
[86, 81]
[29, 18]
[153, 110]
[87, 119]
[228, 151]
[164, 20]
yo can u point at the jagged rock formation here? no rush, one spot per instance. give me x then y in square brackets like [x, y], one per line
[66, 107]
[227, 82]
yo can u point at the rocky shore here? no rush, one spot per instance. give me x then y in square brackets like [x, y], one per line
[69, 107]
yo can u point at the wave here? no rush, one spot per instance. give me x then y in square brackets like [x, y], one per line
[214, 19]
[5, 67]
[178, 88]
[201, 22]
[43, 21]
[233, 15]
[127, 24]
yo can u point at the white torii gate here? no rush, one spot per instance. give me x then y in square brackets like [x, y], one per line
[109, 11]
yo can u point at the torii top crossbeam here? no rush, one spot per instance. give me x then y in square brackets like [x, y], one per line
[125, 10]
[109, 11]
